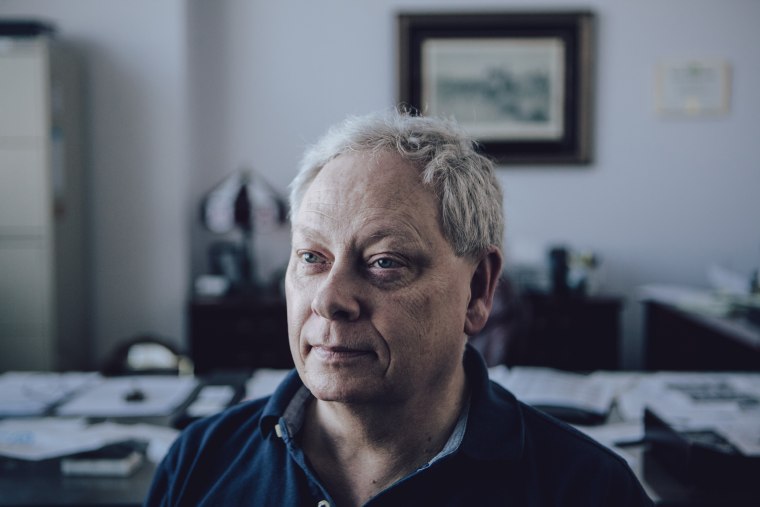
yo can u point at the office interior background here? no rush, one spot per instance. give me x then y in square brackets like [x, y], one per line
[181, 93]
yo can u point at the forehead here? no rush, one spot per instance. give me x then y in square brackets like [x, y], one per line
[369, 190]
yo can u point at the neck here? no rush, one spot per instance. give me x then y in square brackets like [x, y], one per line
[360, 449]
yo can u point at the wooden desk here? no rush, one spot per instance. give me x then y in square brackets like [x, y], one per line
[666, 490]
[51, 489]
[45, 486]
[677, 339]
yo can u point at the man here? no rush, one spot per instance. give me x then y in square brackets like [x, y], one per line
[396, 253]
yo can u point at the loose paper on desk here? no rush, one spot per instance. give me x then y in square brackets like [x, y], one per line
[160, 396]
[263, 382]
[37, 439]
[536, 386]
[720, 396]
[728, 403]
[210, 400]
[34, 393]
[612, 435]
[43, 438]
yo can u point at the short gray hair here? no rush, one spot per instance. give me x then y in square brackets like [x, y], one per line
[462, 179]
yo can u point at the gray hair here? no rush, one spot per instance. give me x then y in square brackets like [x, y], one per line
[462, 179]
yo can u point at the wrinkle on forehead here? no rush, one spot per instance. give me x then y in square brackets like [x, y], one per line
[374, 223]
[379, 195]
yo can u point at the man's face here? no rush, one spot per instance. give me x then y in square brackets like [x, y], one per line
[376, 296]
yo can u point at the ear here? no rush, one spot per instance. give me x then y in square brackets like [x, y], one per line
[482, 289]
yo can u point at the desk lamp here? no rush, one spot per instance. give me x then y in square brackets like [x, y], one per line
[242, 202]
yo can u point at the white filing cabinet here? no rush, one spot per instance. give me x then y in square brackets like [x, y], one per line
[42, 262]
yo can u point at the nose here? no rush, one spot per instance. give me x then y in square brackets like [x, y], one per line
[337, 297]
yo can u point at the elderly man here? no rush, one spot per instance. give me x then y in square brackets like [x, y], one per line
[396, 253]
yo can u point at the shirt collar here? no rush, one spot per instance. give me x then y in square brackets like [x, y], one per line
[279, 401]
[495, 428]
[492, 427]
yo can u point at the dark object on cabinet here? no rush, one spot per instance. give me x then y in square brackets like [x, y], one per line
[25, 28]
[238, 333]
[166, 357]
[682, 340]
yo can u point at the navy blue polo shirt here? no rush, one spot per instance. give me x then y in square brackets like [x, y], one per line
[501, 453]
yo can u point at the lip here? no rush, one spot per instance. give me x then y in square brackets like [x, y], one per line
[338, 354]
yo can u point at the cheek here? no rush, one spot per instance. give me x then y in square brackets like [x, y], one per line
[441, 309]
[298, 304]
[297, 291]
[419, 321]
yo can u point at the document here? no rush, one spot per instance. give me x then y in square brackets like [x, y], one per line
[569, 396]
[132, 396]
[725, 403]
[210, 400]
[25, 394]
[616, 437]
[263, 382]
[35, 439]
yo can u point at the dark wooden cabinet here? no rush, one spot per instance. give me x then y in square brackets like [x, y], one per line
[567, 331]
[571, 332]
[238, 333]
[682, 340]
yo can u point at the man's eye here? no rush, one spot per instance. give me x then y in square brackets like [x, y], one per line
[386, 263]
[310, 258]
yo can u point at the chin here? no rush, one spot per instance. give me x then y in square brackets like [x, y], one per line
[334, 389]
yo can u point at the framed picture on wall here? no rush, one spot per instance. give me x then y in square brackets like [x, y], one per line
[520, 83]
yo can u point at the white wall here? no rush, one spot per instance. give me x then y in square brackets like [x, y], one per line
[663, 200]
[135, 57]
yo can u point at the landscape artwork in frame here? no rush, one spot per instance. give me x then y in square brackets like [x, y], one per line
[518, 83]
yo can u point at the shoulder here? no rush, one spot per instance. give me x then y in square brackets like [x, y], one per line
[575, 465]
[205, 450]
[544, 435]
[240, 421]
[544, 428]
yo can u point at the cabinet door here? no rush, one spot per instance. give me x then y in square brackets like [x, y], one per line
[23, 191]
[23, 92]
[24, 306]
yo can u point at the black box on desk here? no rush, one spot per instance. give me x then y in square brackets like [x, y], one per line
[702, 459]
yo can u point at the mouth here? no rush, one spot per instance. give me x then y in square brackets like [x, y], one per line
[335, 353]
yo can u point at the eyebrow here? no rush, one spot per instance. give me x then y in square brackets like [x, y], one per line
[396, 234]
[401, 236]
[305, 230]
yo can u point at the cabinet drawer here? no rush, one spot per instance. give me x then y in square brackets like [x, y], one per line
[23, 92]
[23, 191]
[24, 306]
[238, 334]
